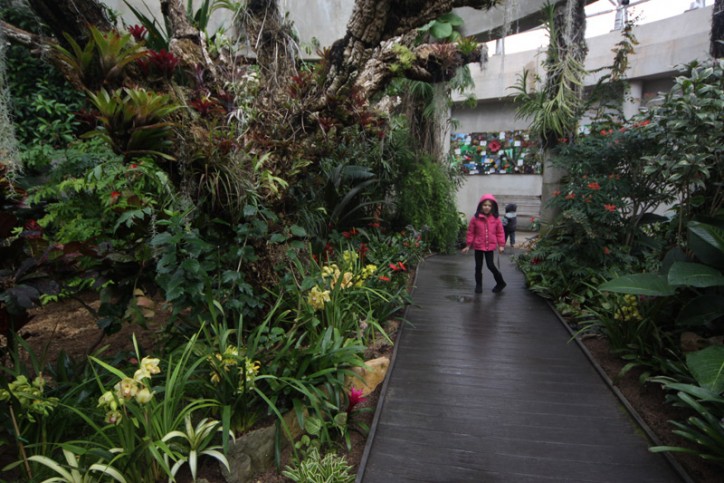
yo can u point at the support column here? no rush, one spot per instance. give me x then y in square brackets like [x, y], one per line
[632, 102]
[552, 176]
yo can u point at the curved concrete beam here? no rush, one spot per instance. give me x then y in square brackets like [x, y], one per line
[490, 25]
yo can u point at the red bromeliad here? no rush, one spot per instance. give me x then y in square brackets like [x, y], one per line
[138, 32]
[356, 396]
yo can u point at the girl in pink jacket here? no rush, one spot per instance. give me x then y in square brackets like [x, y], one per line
[485, 234]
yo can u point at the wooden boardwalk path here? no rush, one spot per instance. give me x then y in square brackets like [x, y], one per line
[488, 388]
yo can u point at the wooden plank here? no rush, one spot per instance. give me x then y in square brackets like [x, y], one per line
[488, 388]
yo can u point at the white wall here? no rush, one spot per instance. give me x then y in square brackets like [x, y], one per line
[525, 189]
[662, 46]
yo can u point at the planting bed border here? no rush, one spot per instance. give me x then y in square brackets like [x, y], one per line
[653, 438]
[383, 392]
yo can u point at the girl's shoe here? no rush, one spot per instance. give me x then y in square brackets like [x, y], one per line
[499, 287]
[478, 289]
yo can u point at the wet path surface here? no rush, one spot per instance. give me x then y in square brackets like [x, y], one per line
[487, 388]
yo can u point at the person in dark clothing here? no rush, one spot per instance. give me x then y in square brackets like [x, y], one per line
[510, 222]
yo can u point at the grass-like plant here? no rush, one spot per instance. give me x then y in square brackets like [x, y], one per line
[330, 468]
[72, 472]
[141, 417]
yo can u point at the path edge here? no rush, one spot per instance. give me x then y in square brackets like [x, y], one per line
[653, 438]
[383, 391]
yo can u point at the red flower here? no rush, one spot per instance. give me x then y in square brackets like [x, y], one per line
[384, 279]
[610, 207]
[347, 234]
[329, 250]
[138, 32]
[398, 267]
[571, 196]
[355, 397]
[374, 225]
[535, 261]
[134, 166]
[594, 186]
[606, 251]
[114, 196]
[165, 62]
[556, 193]
[203, 105]
[32, 230]
[494, 146]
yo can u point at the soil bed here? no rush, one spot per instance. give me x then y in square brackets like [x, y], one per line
[647, 400]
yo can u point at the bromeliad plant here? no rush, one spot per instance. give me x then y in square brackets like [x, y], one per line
[134, 122]
[104, 58]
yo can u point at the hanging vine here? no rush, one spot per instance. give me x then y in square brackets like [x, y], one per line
[555, 109]
[8, 143]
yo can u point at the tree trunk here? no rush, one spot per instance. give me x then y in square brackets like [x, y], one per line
[570, 28]
[71, 17]
[8, 143]
[374, 21]
[717, 30]
[271, 39]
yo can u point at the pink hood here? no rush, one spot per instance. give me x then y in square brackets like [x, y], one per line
[485, 232]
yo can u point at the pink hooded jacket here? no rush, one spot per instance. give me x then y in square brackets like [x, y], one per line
[485, 232]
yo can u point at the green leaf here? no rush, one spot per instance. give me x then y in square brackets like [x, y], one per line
[441, 30]
[694, 275]
[278, 238]
[250, 210]
[639, 284]
[707, 243]
[313, 426]
[298, 230]
[707, 366]
[701, 310]
[451, 18]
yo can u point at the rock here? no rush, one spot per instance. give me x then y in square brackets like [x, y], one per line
[370, 375]
[253, 452]
[691, 341]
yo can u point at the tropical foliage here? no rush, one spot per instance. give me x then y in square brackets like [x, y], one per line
[636, 253]
[277, 240]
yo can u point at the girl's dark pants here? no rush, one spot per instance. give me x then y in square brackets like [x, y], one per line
[490, 262]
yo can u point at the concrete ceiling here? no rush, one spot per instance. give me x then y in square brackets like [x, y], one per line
[489, 25]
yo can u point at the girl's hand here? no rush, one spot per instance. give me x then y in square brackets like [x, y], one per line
[465, 250]
[501, 249]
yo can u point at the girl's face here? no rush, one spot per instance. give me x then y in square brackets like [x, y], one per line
[487, 206]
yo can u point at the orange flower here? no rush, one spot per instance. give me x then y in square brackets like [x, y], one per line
[610, 207]
[594, 186]
[606, 251]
